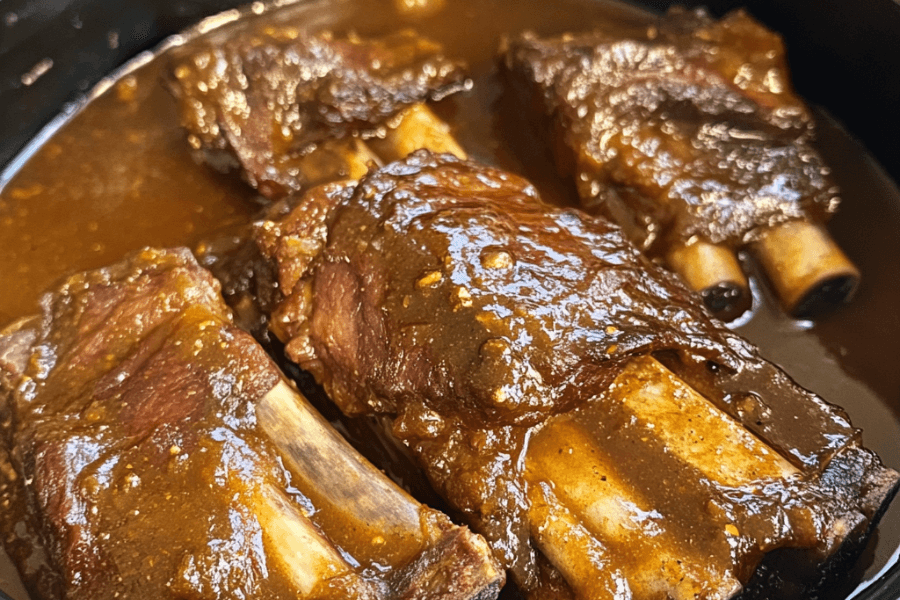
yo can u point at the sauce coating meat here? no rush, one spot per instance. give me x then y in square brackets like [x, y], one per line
[691, 138]
[284, 104]
[666, 128]
[524, 310]
[497, 330]
[156, 451]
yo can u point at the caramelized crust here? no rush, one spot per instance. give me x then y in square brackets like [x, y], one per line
[689, 131]
[513, 342]
[282, 103]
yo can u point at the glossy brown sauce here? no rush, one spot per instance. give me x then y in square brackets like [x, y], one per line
[118, 176]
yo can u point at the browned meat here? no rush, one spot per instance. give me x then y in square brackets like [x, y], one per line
[155, 451]
[520, 349]
[689, 130]
[266, 98]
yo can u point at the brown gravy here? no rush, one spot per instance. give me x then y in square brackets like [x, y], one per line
[117, 176]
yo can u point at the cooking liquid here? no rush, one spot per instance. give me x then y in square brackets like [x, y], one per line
[117, 176]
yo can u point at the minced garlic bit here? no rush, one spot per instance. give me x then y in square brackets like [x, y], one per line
[461, 298]
[429, 279]
[500, 396]
[496, 260]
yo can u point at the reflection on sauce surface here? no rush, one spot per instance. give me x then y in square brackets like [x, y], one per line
[118, 177]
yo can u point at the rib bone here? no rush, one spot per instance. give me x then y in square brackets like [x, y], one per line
[807, 269]
[715, 273]
[692, 428]
[303, 553]
[386, 522]
[651, 558]
[417, 127]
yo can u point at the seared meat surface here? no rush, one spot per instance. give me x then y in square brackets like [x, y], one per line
[153, 450]
[120, 407]
[689, 130]
[475, 279]
[283, 104]
[512, 342]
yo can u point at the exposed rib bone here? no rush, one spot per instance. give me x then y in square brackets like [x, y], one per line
[692, 428]
[714, 272]
[584, 562]
[417, 127]
[596, 526]
[383, 522]
[653, 559]
[309, 559]
[807, 269]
